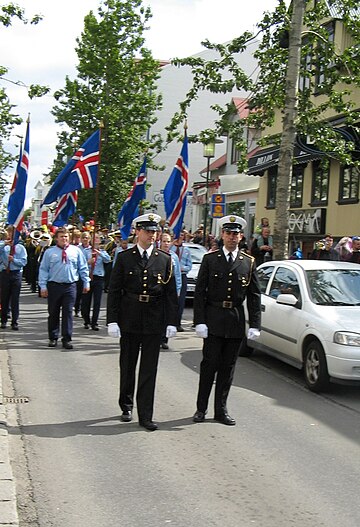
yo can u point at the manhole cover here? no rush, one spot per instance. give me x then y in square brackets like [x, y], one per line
[15, 400]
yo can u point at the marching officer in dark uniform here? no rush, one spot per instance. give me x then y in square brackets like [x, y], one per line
[225, 278]
[142, 292]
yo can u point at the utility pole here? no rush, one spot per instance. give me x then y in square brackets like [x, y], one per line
[286, 156]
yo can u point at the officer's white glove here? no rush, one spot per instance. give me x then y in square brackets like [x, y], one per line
[201, 331]
[170, 332]
[114, 330]
[253, 333]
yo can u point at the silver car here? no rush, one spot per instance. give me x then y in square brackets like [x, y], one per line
[311, 319]
[197, 254]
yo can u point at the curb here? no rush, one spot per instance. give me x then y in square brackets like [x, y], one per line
[8, 504]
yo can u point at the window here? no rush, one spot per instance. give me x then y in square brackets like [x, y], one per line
[297, 182]
[320, 183]
[285, 282]
[264, 276]
[306, 63]
[271, 193]
[237, 208]
[349, 185]
[322, 62]
[235, 153]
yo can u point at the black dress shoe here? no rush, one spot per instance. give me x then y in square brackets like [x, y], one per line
[225, 419]
[15, 327]
[52, 344]
[126, 416]
[180, 329]
[3, 325]
[149, 425]
[67, 345]
[199, 417]
[86, 326]
[95, 327]
[164, 346]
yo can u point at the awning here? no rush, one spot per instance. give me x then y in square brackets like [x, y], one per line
[269, 157]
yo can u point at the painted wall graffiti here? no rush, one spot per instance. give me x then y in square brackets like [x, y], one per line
[309, 221]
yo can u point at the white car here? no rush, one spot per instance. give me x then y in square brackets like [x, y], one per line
[197, 254]
[311, 319]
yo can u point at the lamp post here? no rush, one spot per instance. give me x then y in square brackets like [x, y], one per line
[209, 152]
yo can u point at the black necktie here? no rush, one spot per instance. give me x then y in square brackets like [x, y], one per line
[230, 258]
[145, 258]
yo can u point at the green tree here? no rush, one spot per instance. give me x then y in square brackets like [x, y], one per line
[269, 92]
[115, 84]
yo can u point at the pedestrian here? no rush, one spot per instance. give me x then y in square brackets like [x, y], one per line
[97, 272]
[344, 248]
[184, 255]
[60, 269]
[165, 244]
[141, 291]
[355, 251]
[324, 250]
[225, 278]
[262, 246]
[13, 258]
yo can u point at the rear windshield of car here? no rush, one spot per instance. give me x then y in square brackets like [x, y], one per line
[334, 287]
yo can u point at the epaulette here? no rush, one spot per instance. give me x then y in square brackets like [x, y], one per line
[248, 255]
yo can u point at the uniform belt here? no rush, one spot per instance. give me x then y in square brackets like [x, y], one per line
[143, 298]
[226, 304]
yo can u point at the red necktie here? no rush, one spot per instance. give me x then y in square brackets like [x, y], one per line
[63, 253]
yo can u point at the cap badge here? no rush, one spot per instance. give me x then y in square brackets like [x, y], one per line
[151, 217]
[232, 219]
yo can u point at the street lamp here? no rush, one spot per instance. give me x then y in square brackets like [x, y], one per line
[209, 152]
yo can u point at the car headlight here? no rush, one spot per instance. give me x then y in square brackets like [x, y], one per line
[346, 338]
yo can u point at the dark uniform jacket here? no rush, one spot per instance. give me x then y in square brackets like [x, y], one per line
[220, 292]
[142, 299]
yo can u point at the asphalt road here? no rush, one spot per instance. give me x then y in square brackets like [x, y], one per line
[292, 460]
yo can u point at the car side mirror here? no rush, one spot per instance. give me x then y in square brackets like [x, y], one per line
[289, 300]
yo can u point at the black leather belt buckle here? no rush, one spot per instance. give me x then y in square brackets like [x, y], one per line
[227, 304]
[144, 298]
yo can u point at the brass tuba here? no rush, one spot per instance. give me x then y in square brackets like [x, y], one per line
[35, 237]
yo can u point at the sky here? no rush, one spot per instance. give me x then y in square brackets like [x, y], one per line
[45, 54]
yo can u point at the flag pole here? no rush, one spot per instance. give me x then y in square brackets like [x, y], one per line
[101, 126]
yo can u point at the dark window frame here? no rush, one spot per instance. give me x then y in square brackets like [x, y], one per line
[235, 153]
[354, 184]
[271, 187]
[297, 186]
[320, 74]
[321, 199]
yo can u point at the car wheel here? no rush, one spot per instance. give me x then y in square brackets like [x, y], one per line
[315, 367]
[244, 349]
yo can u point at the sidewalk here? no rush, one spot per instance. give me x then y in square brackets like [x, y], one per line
[8, 509]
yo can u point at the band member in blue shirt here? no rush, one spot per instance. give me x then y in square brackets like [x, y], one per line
[95, 258]
[60, 269]
[13, 258]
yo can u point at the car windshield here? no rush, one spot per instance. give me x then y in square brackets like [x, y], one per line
[334, 287]
[197, 254]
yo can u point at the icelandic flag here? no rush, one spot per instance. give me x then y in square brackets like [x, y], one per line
[18, 189]
[130, 209]
[80, 172]
[66, 207]
[175, 191]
